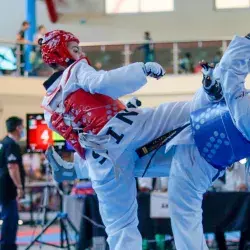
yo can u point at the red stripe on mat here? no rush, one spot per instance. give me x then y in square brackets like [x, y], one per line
[29, 232]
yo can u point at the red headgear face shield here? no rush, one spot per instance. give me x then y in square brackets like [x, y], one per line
[54, 47]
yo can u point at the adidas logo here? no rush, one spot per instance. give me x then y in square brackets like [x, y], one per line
[12, 157]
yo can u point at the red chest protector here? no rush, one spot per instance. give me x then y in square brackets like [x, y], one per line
[88, 112]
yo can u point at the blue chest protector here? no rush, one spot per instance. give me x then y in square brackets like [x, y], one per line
[216, 137]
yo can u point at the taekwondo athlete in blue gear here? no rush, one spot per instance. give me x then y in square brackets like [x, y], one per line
[190, 175]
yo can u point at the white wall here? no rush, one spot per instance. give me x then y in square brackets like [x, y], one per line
[192, 19]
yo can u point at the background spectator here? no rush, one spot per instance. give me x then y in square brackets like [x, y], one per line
[21, 39]
[186, 64]
[217, 57]
[11, 182]
[41, 30]
[36, 58]
[148, 48]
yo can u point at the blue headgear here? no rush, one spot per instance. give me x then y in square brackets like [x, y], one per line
[211, 86]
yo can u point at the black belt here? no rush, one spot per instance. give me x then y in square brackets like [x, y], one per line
[157, 143]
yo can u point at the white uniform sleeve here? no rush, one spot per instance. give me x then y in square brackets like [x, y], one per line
[114, 83]
[231, 72]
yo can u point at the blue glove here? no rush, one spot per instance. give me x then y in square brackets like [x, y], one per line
[154, 70]
[211, 86]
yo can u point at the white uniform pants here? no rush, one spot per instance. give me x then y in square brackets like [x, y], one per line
[190, 177]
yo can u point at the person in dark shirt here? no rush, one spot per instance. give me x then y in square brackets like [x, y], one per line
[186, 64]
[11, 181]
[148, 48]
[21, 39]
[217, 58]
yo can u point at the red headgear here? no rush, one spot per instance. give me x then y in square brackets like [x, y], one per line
[54, 47]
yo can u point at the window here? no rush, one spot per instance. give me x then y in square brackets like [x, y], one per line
[232, 4]
[156, 5]
[136, 6]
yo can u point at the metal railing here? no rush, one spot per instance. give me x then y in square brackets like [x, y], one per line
[175, 57]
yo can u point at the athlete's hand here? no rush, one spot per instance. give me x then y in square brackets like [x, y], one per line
[20, 193]
[210, 85]
[154, 70]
